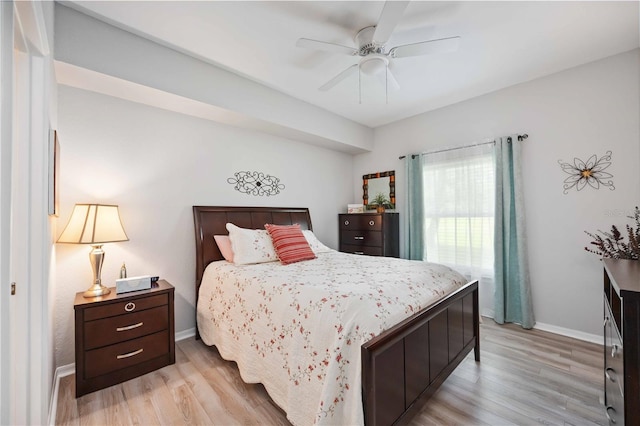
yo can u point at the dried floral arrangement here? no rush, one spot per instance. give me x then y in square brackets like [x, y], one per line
[613, 245]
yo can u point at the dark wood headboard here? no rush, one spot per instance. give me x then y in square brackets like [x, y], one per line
[210, 221]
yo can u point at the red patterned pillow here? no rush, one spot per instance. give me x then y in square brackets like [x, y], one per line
[290, 244]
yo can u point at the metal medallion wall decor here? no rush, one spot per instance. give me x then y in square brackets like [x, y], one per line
[256, 183]
[589, 172]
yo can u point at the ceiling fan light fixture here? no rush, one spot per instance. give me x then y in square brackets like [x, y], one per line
[374, 64]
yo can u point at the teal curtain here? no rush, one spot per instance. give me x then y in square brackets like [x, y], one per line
[414, 241]
[512, 298]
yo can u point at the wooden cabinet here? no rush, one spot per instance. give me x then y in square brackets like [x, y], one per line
[374, 234]
[622, 341]
[122, 336]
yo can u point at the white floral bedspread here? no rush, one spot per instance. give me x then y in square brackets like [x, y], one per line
[297, 328]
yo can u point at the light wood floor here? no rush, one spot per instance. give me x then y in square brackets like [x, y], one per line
[523, 378]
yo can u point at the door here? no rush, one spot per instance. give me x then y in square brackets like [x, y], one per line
[25, 241]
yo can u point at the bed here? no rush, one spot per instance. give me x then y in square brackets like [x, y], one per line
[397, 369]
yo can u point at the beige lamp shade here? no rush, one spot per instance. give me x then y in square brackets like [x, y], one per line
[93, 224]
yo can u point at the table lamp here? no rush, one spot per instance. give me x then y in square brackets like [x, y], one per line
[94, 224]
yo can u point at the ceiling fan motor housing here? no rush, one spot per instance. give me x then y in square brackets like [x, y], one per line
[364, 40]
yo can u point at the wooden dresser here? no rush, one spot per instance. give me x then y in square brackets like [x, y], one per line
[122, 336]
[374, 234]
[622, 341]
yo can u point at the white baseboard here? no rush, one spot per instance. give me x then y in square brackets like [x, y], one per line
[580, 335]
[62, 371]
[69, 369]
[185, 334]
[575, 334]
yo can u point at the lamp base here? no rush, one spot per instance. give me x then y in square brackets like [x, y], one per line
[96, 290]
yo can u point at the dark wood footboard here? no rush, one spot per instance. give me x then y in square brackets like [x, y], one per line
[405, 365]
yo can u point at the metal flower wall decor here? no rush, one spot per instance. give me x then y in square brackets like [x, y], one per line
[256, 183]
[590, 172]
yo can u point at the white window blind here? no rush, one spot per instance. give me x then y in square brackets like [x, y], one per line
[459, 189]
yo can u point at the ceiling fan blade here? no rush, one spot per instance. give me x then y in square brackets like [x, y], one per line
[442, 45]
[326, 46]
[338, 78]
[391, 82]
[389, 18]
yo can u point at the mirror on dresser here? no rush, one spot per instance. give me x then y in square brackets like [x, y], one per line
[379, 183]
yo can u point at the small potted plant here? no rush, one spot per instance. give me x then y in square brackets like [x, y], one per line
[379, 202]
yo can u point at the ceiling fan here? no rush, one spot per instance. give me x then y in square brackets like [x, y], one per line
[374, 56]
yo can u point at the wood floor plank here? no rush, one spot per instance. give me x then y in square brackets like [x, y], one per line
[67, 407]
[525, 377]
[115, 407]
[138, 393]
[162, 399]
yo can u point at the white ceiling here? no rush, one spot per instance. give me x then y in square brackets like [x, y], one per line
[502, 43]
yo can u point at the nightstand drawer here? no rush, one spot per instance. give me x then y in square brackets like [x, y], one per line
[359, 222]
[362, 238]
[116, 357]
[125, 327]
[125, 307]
[369, 251]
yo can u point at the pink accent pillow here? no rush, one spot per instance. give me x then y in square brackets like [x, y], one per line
[224, 244]
[290, 243]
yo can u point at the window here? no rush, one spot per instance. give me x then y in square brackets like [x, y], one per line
[459, 199]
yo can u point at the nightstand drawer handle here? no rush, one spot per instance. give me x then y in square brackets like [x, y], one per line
[129, 306]
[358, 238]
[130, 327]
[346, 223]
[130, 354]
[371, 223]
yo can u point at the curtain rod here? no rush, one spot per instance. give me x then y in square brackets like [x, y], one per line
[520, 138]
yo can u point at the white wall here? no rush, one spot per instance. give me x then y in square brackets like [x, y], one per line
[156, 165]
[583, 111]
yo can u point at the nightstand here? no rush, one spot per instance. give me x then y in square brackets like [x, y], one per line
[122, 336]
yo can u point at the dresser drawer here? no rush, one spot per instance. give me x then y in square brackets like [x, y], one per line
[125, 327]
[361, 222]
[116, 357]
[368, 250]
[124, 307]
[362, 238]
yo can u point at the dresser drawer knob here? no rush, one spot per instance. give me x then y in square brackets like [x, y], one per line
[130, 327]
[130, 354]
[614, 350]
[611, 419]
[129, 306]
[358, 238]
[610, 374]
[371, 223]
[346, 223]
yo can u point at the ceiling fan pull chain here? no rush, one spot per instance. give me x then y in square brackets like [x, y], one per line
[386, 84]
[359, 86]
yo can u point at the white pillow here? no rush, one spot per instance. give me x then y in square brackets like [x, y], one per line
[314, 242]
[251, 245]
